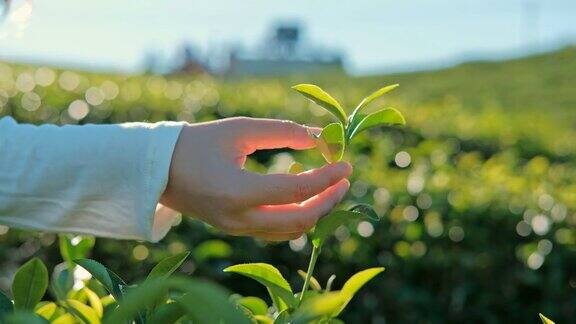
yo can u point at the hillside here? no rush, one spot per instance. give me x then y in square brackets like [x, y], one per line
[546, 82]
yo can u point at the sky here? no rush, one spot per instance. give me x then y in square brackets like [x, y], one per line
[374, 35]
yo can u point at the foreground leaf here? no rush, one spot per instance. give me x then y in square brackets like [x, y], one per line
[384, 117]
[544, 319]
[266, 274]
[203, 302]
[331, 142]
[323, 99]
[24, 318]
[30, 284]
[354, 284]
[6, 306]
[167, 266]
[111, 281]
[167, 313]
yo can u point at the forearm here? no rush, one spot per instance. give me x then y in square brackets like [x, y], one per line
[96, 179]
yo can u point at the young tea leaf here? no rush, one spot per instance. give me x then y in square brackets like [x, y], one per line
[85, 312]
[384, 117]
[111, 281]
[354, 284]
[167, 266]
[266, 274]
[320, 306]
[544, 319]
[323, 99]
[47, 310]
[254, 305]
[30, 284]
[331, 142]
[94, 301]
[313, 281]
[330, 282]
[375, 95]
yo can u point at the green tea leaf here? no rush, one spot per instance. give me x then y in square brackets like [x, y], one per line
[167, 313]
[320, 306]
[212, 249]
[20, 317]
[283, 317]
[111, 281]
[85, 312]
[384, 117]
[329, 223]
[544, 319]
[167, 266]
[323, 99]
[30, 284]
[254, 305]
[375, 95]
[6, 306]
[266, 274]
[331, 142]
[203, 302]
[365, 209]
[73, 247]
[296, 168]
[313, 281]
[354, 284]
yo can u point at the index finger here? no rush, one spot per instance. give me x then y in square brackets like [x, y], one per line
[261, 133]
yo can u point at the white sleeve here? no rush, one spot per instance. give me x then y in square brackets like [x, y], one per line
[104, 180]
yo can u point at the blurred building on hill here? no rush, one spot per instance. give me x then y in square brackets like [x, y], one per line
[284, 52]
[191, 62]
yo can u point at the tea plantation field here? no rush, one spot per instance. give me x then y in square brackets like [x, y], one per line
[477, 192]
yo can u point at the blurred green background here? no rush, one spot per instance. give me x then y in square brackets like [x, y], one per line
[478, 192]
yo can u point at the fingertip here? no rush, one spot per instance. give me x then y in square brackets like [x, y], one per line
[314, 132]
[343, 168]
[343, 186]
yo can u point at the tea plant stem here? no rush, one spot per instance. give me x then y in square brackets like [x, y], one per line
[311, 265]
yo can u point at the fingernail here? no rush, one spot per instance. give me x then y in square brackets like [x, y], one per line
[314, 132]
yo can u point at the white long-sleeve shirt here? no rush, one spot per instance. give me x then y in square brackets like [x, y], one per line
[104, 180]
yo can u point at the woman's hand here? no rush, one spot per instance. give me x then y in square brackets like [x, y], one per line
[207, 179]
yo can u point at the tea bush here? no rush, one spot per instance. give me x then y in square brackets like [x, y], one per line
[477, 192]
